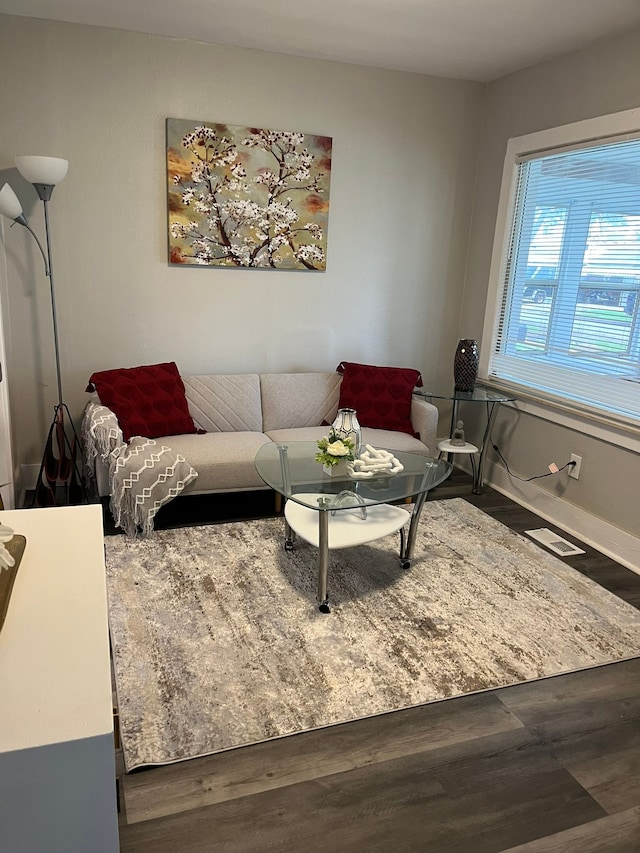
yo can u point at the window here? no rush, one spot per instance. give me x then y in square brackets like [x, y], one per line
[563, 315]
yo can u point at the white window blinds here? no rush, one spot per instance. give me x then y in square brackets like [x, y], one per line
[568, 306]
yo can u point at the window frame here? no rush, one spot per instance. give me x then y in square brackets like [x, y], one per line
[589, 132]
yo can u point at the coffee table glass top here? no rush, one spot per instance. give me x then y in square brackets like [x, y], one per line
[292, 471]
[478, 395]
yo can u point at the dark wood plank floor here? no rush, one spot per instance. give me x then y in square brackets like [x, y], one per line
[552, 765]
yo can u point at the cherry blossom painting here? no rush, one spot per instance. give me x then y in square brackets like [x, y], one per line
[246, 197]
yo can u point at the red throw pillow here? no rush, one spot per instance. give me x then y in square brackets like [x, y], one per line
[381, 396]
[148, 400]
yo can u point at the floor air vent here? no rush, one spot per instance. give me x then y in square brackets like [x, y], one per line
[554, 542]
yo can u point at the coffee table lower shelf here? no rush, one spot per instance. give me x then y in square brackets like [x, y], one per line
[329, 530]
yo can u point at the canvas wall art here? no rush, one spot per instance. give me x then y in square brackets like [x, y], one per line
[247, 197]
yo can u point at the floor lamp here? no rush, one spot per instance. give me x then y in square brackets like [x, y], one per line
[60, 476]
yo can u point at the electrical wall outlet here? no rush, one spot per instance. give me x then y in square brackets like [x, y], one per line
[574, 470]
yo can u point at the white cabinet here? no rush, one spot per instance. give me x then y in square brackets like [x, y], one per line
[57, 762]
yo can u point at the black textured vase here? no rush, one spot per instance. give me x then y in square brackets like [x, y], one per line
[465, 365]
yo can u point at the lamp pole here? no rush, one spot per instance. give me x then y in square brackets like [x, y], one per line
[45, 202]
[60, 465]
[44, 191]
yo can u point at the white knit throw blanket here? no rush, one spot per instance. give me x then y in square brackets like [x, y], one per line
[143, 475]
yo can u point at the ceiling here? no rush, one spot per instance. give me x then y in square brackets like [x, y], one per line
[469, 39]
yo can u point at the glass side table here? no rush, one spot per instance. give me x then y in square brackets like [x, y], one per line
[491, 399]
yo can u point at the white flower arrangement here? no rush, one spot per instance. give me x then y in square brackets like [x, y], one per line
[6, 560]
[333, 448]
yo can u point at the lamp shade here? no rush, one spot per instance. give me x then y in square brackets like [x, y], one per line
[42, 170]
[9, 204]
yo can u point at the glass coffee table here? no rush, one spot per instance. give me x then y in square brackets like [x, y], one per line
[338, 511]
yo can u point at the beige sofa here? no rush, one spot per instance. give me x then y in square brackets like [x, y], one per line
[241, 412]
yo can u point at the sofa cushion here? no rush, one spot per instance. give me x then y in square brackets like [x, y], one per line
[148, 401]
[223, 460]
[298, 399]
[381, 396]
[221, 403]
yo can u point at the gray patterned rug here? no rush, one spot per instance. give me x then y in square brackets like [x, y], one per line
[218, 641]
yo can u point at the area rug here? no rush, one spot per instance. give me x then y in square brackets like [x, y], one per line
[218, 642]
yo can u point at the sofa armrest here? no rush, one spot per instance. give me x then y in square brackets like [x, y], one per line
[424, 417]
[103, 441]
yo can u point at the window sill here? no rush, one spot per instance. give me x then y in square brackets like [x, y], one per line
[588, 422]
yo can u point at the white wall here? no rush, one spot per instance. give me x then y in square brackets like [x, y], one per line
[600, 80]
[404, 157]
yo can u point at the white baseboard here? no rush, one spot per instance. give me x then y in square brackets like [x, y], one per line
[621, 546]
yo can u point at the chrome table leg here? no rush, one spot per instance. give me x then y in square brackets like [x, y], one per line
[478, 479]
[407, 545]
[323, 558]
[289, 536]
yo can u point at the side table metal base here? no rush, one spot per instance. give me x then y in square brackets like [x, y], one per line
[445, 446]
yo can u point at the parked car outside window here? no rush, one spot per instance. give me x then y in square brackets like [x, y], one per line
[536, 289]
